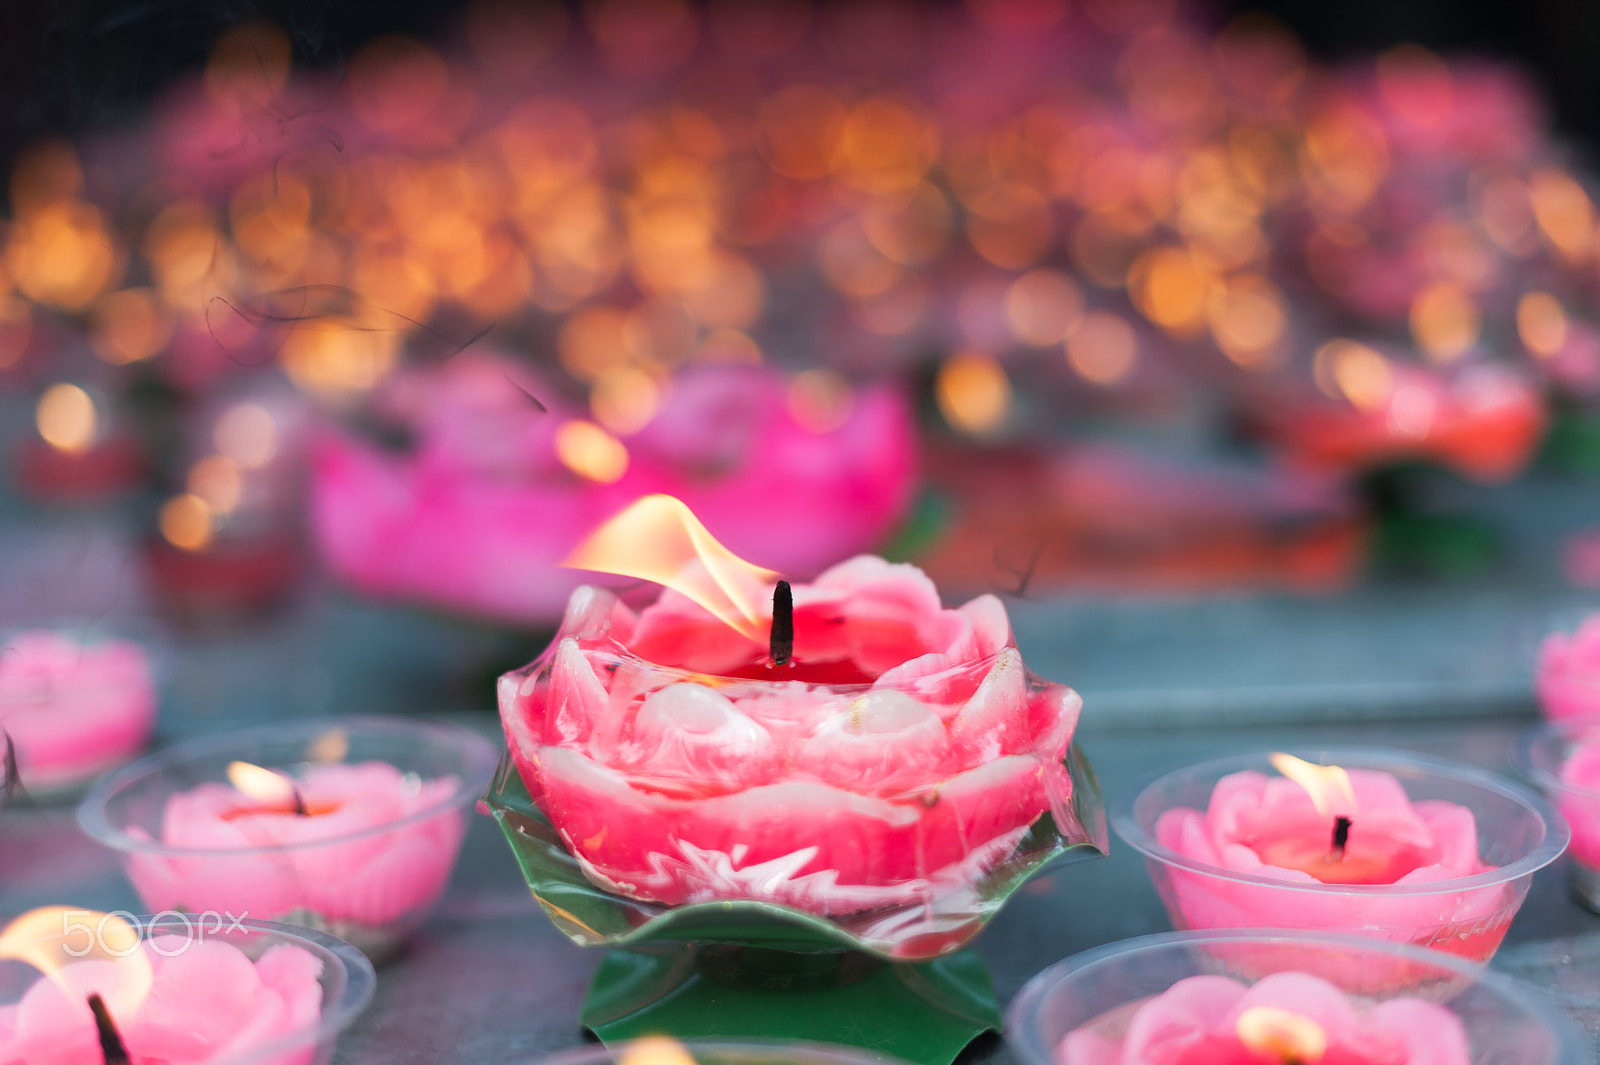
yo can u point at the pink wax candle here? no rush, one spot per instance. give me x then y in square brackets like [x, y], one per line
[343, 844]
[73, 709]
[1344, 850]
[1567, 678]
[1286, 1018]
[884, 751]
[155, 991]
[1256, 997]
[363, 849]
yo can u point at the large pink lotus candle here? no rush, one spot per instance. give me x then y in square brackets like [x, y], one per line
[72, 708]
[499, 488]
[1567, 679]
[857, 745]
[1283, 1019]
[1326, 847]
[363, 848]
[174, 995]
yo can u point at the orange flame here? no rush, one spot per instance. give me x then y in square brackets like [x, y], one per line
[659, 539]
[262, 785]
[53, 938]
[332, 746]
[655, 1050]
[1281, 1035]
[1328, 785]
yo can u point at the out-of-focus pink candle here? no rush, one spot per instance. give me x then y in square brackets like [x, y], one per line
[1285, 1018]
[1567, 680]
[73, 709]
[343, 843]
[169, 1000]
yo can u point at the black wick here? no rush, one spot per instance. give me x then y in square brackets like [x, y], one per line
[111, 1046]
[299, 803]
[781, 642]
[1341, 835]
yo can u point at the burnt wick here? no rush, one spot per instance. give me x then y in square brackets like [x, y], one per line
[299, 803]
[781, 642]
[1341, 836]
[111, 1045]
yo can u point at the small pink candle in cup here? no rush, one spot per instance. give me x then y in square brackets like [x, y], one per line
[351, 827]
[73, 709]
[1287, 1018]
[108, 996]
[1316, 847]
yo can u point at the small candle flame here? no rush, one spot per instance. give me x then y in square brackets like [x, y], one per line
[51, 938]
[659, 539]
[1281, 1035]
[656, 1050]
[66, 418]
[1328, 785]
[330, 747]
[263, 785]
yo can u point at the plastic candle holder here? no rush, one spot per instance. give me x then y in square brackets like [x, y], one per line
[398, 790]
[1564, 759]
[1517, 834]
[260, 1030]
[1103, 992]
[661, 1050]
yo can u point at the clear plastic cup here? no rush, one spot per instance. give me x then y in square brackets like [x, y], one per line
[1505, 1024]
[1544, 753]
[660, 1050]
[371, 885]
[1518, 834]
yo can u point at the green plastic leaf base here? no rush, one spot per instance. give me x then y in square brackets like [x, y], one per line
[923, 1012]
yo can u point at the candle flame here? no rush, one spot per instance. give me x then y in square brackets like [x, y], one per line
[1328, 785]
[659, 539]
[656, 1050]
[1281, 1035]
[331, 746]
[54, 938]
[262, 785]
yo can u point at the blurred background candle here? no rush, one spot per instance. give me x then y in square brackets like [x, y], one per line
[73, 707]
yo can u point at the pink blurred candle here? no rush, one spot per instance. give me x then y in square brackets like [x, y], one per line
[1567, 680]
[191, 1002]
[73, 709]
[1284, 1019]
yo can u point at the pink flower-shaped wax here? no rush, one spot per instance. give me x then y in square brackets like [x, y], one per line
[1567, 679]
[1581, 805]
[359, 853]
[903, 754]
[1268, 829]
[1213, 1020]
[206, 1002]
[73, 709]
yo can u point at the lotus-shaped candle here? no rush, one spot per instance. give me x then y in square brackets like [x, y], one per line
[884, 787]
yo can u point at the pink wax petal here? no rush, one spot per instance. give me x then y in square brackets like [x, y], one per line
[1582, 766]
[1179, 1018]
[1236, 796]
[1427, 1033]
[1301, 993]
[203, 990]
[990, 626]
[1052, 719]
[577, 698]
[1084, 1046]
[690, 739]
[882, 743]
[1454, 833]
[995, 719]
